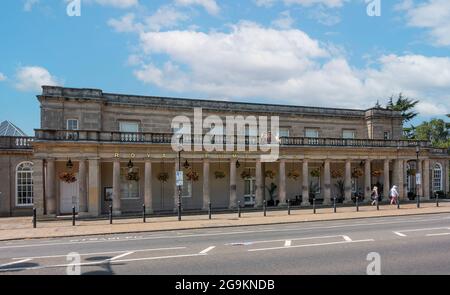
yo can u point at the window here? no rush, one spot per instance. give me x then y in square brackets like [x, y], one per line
[129, 189]
[348, 134]
[387, 135]
[72, 124]
[283, 132]
[130, 127]
[437, 178]
[311, 132]
[127, 128]
[187, 188]
[354, 185]
[24, 184]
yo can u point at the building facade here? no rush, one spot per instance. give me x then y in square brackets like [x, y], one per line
[95, 150]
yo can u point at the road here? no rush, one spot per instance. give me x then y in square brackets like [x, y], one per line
[406, 245]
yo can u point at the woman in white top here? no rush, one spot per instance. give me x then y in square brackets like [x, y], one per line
[394, 195]
[374, 195]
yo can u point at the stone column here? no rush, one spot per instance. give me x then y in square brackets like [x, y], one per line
[348, 182]
[82, 187]
[367, 180]
[419, 191]
[233, 194]
[94, 188]
[282, 184]
[305, 188]
[426, 179]
[386, 182]
[259, 194]
[148, 196]
[50, 197]
[399, 177]
[327, 183]
[206, 191]
[38, 186]
[116, 188]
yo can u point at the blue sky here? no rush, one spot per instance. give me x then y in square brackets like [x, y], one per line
[302, 52]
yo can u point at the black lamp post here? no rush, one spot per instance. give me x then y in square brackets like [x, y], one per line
[179, 187]
[417, 168]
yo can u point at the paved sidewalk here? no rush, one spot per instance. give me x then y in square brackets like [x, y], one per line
[17, 228]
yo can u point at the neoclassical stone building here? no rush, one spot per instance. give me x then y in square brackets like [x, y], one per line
[97, 149]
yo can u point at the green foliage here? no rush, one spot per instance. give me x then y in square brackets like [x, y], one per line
[404, 105]
[437, 131]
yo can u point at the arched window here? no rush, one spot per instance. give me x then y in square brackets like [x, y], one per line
[24, 184]
[437, 177]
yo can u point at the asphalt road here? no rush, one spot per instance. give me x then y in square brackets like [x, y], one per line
[406, 245]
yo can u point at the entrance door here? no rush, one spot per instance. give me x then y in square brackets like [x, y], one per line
[69, 196]
[249, 193]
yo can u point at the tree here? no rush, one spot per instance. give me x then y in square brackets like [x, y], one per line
[437, 131]
[404, 105]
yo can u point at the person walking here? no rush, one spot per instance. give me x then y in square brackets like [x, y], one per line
[393, 193]
[374, 196]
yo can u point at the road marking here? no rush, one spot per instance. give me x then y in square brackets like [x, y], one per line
[119, 256]
[15, 262]
[100, 262]
[399, 234]
[436, 235]
[311, 245]
[288, 243]
[402, 232]
[103, 253]
[347, 238]
[283, 240]
[228, 233]
[207, 250]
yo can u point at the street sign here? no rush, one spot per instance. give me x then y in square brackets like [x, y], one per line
[179, 178]
[418, 178]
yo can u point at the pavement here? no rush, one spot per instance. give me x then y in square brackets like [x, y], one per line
[381, 245]
[21, 227]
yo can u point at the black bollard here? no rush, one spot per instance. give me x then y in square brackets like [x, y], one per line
[34, 218]
[437, 200]
[179, 211]
[418, 201]
[398, 203]
[239, 209]
[110, 214]
[357, 203]
[314, 205]
[144, 217]
[210, 210]
[289, 207]
[73, 216]
[378, 205]
[334, 205]
[265, 208]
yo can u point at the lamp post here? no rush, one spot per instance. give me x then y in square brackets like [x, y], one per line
[417, 166]
[179, 187]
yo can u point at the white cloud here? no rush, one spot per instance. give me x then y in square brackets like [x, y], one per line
[28, 5]
[210, 6]
[265, 3]
[125, 24]
[118, 3]
[286, 66]
[285, 20]
[31, 78]
[433, 15]
[2, 77]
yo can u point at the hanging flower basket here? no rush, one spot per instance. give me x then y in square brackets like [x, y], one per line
[68, 177]
[376, 173]
[163, 176]
[315, 173]
[294, 175]
[337, 174]
[219, 174]
[245, 174]
[133, 176]
[411, 172]
[357, 173]
[192, 176]
[270, 174]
